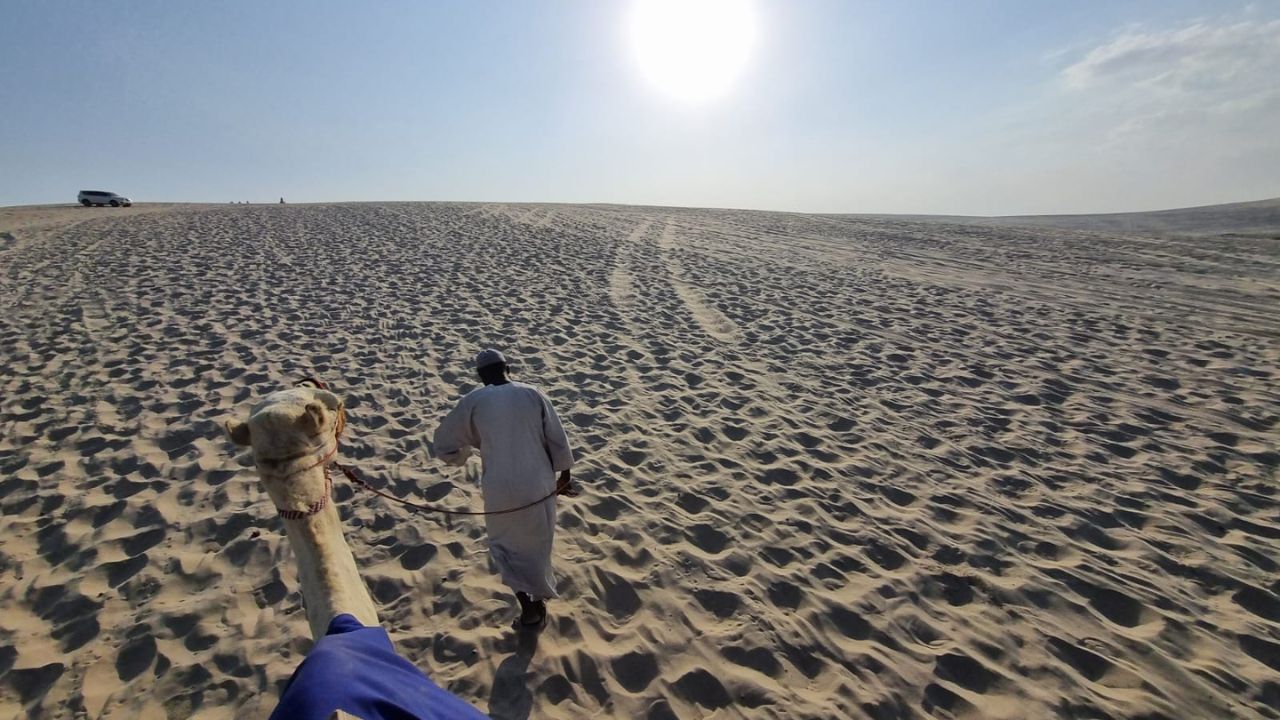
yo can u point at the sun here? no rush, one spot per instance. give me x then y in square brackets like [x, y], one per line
[692, 50]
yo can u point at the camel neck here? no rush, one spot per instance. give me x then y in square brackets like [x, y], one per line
[331, 583]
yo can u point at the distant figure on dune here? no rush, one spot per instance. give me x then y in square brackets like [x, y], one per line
[282, 201]
[522, 445]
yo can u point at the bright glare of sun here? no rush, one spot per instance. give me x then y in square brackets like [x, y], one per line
[692, 50]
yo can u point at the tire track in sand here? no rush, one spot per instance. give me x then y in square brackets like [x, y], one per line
[622, 284]
[712, 321]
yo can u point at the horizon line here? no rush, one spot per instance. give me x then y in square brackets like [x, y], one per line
[677, 207]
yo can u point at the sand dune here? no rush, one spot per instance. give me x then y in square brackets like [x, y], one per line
[834, 466]
[1257, 218]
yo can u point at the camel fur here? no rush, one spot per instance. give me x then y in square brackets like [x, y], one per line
[289, 431]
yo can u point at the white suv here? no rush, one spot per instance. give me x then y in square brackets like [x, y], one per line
[89, 198]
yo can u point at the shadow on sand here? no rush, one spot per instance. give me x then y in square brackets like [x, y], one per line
[511, 698]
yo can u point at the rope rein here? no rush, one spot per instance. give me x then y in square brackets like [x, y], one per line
[355, 479]
[327, 460]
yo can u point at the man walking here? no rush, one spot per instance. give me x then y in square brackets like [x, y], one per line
[522, 446]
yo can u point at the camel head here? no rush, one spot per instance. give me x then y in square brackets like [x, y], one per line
[289, 431]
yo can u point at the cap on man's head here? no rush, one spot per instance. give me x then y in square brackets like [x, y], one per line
[489, 357]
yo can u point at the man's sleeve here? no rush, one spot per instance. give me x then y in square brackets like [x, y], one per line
[553, 437]
[455, 437]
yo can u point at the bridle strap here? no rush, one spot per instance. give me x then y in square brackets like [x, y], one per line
[314, 507]
[320, 504]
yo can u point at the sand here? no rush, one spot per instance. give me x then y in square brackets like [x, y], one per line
[1260, 218]
[833, 466]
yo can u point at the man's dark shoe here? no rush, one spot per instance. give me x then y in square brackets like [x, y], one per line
[532, 612]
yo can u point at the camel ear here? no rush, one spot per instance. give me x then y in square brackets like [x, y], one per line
[312, 418]
[330, 400]
[237, 431]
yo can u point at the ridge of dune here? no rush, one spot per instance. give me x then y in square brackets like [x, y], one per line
[1256, 218]
[834, 466]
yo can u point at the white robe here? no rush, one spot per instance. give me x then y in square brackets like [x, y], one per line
[522, 446]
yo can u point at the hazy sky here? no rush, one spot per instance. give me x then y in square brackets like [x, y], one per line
[838, 106]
